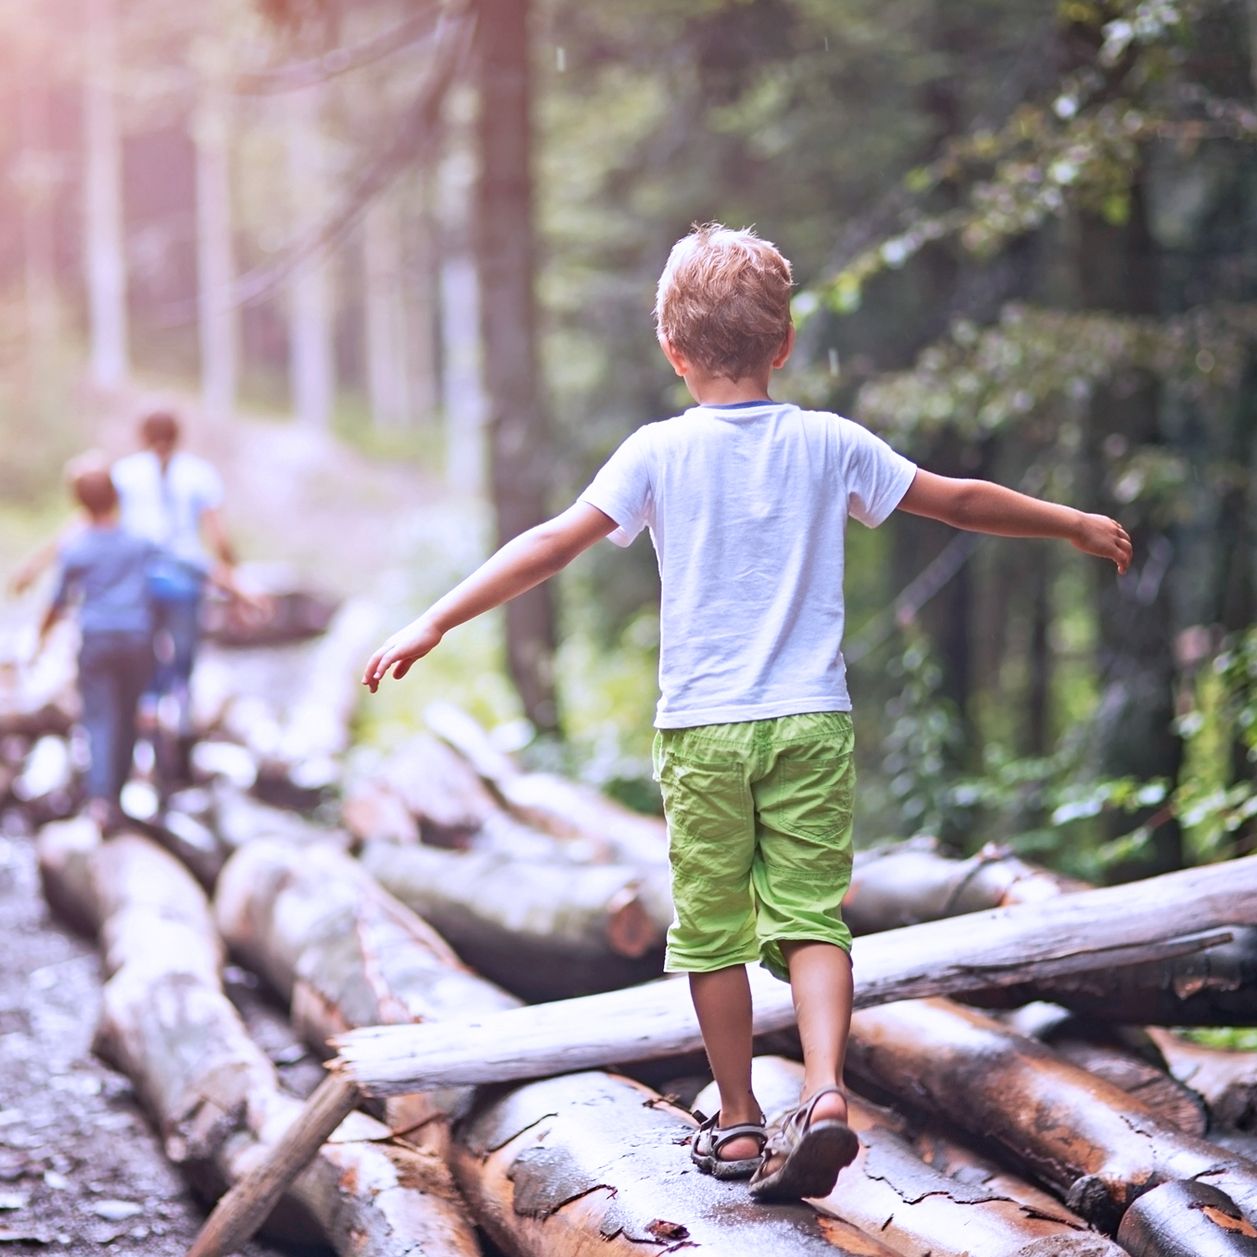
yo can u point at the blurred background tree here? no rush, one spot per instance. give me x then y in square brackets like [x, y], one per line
[1024, 243]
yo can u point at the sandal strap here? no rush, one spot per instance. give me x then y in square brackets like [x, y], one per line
[802, 1116]
[719, 1136]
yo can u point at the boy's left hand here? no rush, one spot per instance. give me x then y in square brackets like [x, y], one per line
[405, 647]
[1105, 538]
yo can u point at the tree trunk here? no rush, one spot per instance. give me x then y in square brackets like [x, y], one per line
[1108, 927]
[37, 181]
[592, 1163]
[520, 457]
[104, 238]
[915, 1208]
[1079, 1135]
[312, 354]
[384, 330]
[217, 318]
[602, 927]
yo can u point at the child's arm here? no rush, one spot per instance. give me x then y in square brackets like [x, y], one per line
[980, 506]
[523, 562]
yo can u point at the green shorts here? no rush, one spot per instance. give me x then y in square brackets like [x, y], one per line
[759, 837]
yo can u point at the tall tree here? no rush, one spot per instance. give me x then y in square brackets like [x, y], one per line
[311, 362]
[520, 461]
[104, 241]
[217, 315]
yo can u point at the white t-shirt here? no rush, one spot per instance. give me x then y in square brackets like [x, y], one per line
[747, 506]
[167, 508]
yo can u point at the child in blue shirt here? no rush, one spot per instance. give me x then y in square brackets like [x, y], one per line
[747, 502]
[103, 571]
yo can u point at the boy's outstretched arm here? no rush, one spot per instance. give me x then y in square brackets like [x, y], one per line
[980, 506]
[523, 562]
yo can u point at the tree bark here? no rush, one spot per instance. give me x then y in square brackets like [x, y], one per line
[519, 447]
[1186, 1219]
[602, 927]
[595, 1163]
[1119, 925]
[917, 1209]
[1081, 1136]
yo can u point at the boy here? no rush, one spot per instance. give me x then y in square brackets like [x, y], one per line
[106, 570]
[747, 500]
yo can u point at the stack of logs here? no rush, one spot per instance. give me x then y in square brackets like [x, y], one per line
[480, 945]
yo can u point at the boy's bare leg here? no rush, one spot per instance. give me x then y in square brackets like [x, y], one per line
[722, 1002]
[822, 987]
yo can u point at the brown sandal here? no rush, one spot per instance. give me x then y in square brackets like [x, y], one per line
[802, 1159]
[709, 1140]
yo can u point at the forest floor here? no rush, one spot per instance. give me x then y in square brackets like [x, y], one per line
[81, 1171]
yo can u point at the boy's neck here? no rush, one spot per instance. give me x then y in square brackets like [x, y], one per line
[718, 390]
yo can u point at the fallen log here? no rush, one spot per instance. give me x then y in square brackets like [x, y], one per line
[1204, 989]
[1127, 1058]
[1226, 1080]
[343, 953]
[905, 883]
[915, 1208]
[452, 806]
[47, 788]
[1186, 1219]
[1095, 1145]
[1124, 925]
[1107, 926]
[38, 696]
[215, 1097]
[592, 1163]
[603, 927]
[569, 810]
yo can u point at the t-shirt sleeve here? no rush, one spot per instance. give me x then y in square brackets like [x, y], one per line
[623, 491]
[207, 485]
[877, 475]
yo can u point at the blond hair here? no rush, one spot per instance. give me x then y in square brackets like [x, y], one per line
[723, 301]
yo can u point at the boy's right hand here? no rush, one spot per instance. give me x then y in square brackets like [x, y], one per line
[405, 647]
[1105, 538]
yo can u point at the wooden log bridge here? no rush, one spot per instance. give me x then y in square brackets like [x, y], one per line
[1143, 921]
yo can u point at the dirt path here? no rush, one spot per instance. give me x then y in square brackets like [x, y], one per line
[81, 1172]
